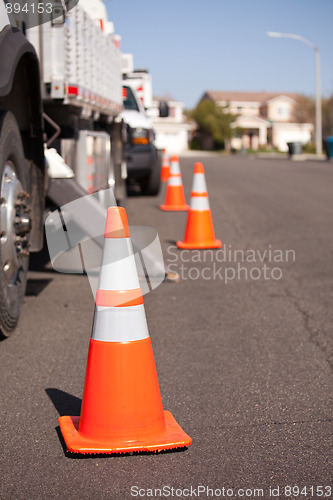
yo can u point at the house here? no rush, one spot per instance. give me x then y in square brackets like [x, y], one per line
[264, 118]
[172, 132]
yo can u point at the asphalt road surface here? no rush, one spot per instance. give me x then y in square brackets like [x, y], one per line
[244, 359]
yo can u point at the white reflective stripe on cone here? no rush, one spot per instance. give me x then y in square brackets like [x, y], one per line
[175, 181]
[199, 183]
[174, 168]
[120, 324]
[199, 203]
[118, 269]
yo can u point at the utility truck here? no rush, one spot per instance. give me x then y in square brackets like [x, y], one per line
[62, 133]
[143, 158]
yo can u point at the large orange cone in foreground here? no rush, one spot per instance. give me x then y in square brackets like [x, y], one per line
[121, 407]
[175, 198]
[165, 170]
[199, 227]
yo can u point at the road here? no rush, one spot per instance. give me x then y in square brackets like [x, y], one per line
[244, 364]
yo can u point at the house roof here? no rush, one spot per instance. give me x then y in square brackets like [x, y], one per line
[261, 97]
[252, 118]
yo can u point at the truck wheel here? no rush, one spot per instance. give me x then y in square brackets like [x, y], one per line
[153, 184]
[15, 223]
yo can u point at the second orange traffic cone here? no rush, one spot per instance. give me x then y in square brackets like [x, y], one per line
[175, 197]
[165, 170]
[121, 407]
[199, 231]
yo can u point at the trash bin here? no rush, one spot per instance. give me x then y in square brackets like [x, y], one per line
[295, 148]
[329, 147]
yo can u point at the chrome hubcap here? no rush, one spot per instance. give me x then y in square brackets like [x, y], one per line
[15, 223]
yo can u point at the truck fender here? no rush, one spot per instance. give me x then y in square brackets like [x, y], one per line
[20, 93]
[13, 45]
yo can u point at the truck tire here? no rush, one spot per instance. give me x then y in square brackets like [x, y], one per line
[15, 223]
[152, 185]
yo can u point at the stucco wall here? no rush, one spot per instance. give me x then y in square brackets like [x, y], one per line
[282, 133]
[280, 110]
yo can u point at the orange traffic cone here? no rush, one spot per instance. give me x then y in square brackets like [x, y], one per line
[199, 227]
[121, 407]
[165, 170]
[175, 198]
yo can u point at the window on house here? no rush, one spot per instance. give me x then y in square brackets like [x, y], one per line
[283, 111]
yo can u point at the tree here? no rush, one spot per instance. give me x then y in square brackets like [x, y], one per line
[213, 122]
[304, 111]
[328, 117]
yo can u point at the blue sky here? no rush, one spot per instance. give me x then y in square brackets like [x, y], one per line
[190, 46]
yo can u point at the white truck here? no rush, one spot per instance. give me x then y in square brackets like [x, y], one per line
[80, 66]
[139, 79]
[61, 98]
[143, 158]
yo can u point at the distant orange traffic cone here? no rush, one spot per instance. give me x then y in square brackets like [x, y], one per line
[121, 407]
[199, 227]
[175, 198]
[165, 170]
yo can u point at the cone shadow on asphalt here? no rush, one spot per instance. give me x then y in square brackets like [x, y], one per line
[171, 242]
[64, 402]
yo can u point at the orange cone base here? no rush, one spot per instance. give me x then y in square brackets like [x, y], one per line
[174, 208]
[199, 231]
[201, 245]
[174, 199]
[172, 437]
